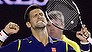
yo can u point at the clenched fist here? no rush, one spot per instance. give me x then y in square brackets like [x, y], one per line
[83, 34]
[11, 28]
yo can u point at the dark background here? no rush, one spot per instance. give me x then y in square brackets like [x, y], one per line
[15, 13]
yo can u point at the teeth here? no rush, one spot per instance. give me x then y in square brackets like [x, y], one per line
[39, 21]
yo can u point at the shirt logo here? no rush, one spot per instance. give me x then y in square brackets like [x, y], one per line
[53, 49]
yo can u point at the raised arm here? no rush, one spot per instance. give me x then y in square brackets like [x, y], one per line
[10, 28]
[83, 35]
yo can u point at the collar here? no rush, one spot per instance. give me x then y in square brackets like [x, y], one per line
[34, 40]
[51, 40]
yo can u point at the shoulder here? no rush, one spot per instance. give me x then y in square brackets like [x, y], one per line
[58, 41]
[25, 40]
[11, 47]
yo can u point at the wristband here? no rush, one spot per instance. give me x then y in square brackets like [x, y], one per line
[5, 33]
[3, 36]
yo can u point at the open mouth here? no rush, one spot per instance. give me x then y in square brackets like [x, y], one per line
[40, 21]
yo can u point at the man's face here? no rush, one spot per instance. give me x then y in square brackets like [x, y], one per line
[37, 18]
[54, 31]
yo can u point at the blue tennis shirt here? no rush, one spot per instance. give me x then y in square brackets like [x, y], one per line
[31, 44]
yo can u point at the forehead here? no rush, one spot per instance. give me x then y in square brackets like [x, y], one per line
[36, 11]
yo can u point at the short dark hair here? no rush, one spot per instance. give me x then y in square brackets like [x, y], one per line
[30, 8]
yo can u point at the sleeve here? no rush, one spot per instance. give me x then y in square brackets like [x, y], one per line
[85, 47]
[12, 47]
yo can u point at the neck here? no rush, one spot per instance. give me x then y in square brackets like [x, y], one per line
[41, 35]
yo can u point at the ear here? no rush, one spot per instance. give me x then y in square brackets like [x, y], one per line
[28, 24]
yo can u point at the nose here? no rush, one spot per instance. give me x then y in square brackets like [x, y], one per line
[39, 16]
